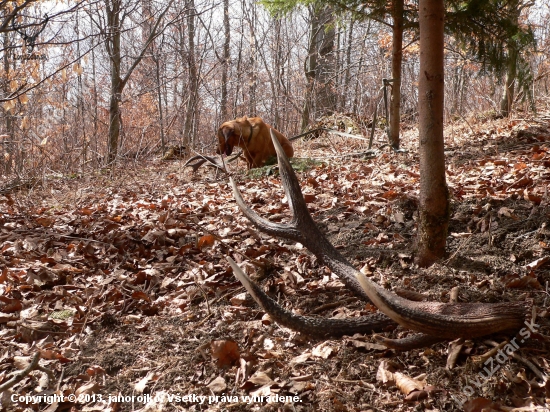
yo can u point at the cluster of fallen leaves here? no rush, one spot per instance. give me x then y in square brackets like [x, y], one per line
[122, 288]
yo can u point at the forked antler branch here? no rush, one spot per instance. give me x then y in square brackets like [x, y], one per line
[202, 159]
[442, 320]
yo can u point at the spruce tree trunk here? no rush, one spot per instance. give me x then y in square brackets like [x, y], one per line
[509, 86]
[434, 195]
[511, 64]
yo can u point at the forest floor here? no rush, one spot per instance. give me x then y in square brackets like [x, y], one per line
[121, 282]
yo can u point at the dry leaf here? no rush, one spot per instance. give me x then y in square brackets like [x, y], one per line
[218, 385]
[140, 386]
[481, 405]
[206, 241]
[407, 384]
[260, 379]
[304, 357]
[225, 352]
[385, 374]
[87, 389]
[21, 362]
[139, 295]
[77, 68]
[324, 350]
[10, 104]
[536, 264]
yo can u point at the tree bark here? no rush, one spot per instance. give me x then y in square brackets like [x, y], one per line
[319, 67]
[10, 145]
[159, 102]
[511, 64]
[95, 160]
[434, 195]
[509, 86]
[252, 74]
[347, 76]
[397, 58]
[189, 129]
[225, 64]
[113, 8]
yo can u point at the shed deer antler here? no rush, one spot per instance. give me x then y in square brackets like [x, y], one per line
[441, 320]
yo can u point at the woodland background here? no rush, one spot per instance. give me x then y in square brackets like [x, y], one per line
[169, 72]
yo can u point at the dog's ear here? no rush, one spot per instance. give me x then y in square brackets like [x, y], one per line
[246, 121]
[254, 121]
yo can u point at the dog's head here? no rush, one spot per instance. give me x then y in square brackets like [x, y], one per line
[233, 133]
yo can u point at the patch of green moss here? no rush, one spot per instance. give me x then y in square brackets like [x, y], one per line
[62, 314]
[272, 168]
[304, 164]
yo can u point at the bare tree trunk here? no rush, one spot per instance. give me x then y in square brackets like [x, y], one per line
[309, 69]
[434, 194]
[113, 48]
[189, 130]
[10, 145]
[252, 75]
[224, 111]
[80, 100]
[347, 76]
[357, 91]
[96, 106]
[320, 64]
[397, 57]
[337, 77]
[159, 99]
[279, 70]
[112, 33]
[239, 77]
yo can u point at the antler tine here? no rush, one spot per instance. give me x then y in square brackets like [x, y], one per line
[195, 166]
[296, 201]
[323, 328]
[202, 159]
[284, 230]
[301, 219]
[312, 326]
[301, 228]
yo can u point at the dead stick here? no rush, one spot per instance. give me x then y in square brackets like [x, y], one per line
[20, 375]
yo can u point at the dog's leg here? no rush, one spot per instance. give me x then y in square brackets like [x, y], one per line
[258, 159]
[249, 160]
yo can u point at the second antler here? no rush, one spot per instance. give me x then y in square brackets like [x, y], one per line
[440, 320]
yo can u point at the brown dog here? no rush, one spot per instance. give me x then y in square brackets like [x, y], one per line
[251, 135]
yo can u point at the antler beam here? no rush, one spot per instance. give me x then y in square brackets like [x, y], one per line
[442, 320]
